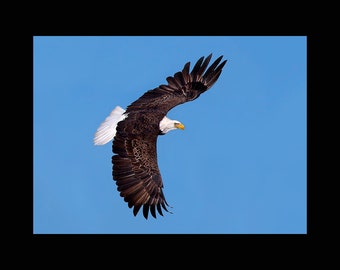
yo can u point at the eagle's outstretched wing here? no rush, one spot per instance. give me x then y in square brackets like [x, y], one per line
[135, 167]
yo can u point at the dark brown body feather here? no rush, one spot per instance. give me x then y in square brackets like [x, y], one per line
[135, 167]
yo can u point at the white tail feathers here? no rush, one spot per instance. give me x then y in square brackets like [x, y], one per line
[107, 130]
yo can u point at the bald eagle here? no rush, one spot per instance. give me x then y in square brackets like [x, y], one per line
[134, 132]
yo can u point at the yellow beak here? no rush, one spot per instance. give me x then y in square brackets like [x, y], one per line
[179, 125]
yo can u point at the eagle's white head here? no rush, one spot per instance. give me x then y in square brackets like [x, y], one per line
[167, 124]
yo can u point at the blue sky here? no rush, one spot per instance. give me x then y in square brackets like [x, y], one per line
[239, 167]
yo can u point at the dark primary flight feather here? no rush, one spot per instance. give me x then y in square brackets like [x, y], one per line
[135, 167]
